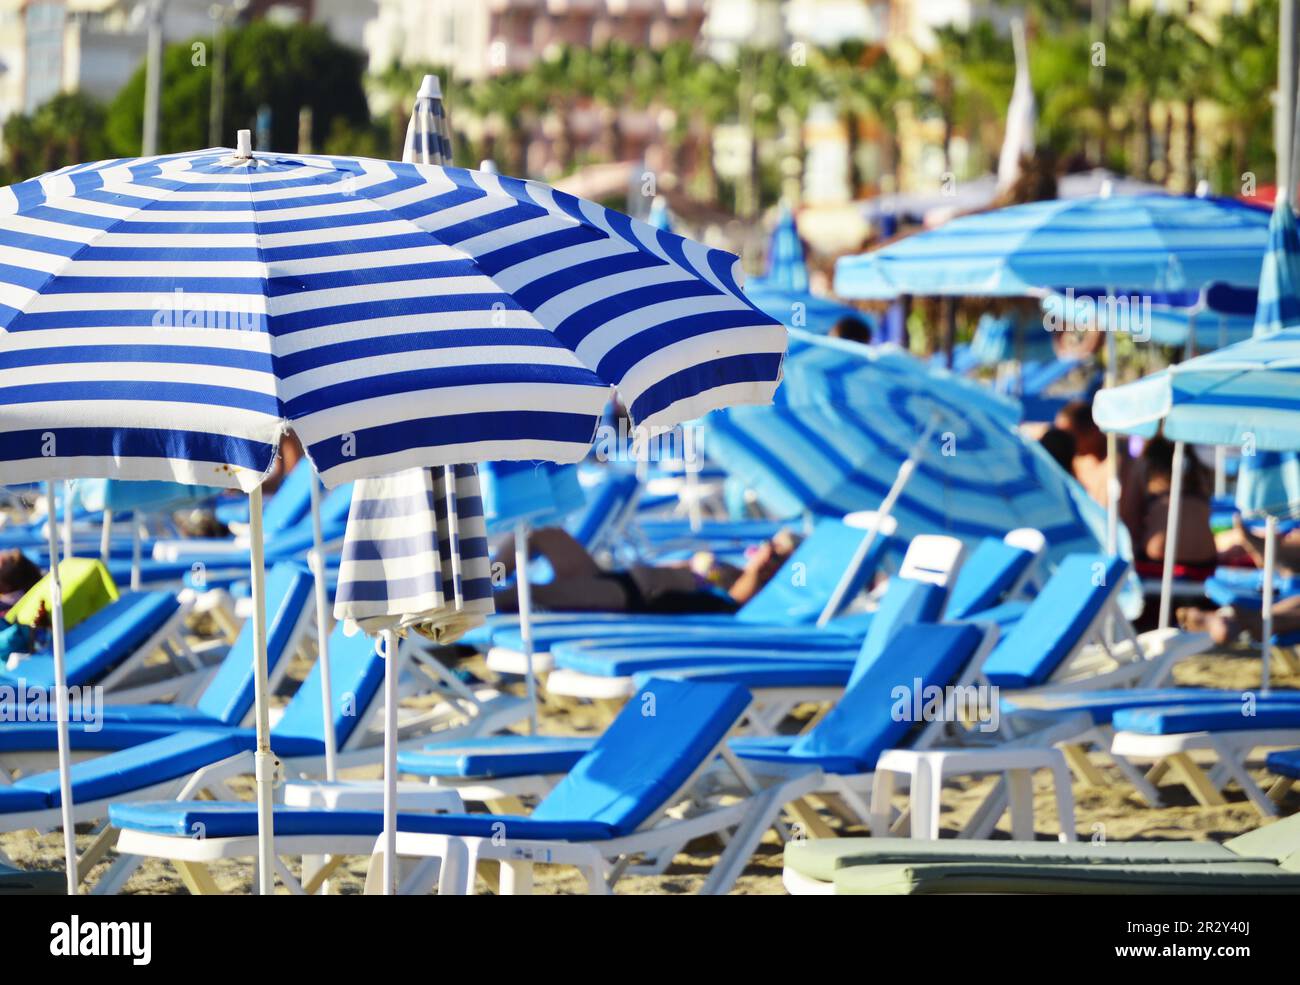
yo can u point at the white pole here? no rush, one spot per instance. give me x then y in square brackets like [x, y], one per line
[317, 559]
[1270, 567]
[136, 537]
[453, 533]
[389, 637]
[1171, 534]
[1112, 455]
[525, 594]
[1220, 452]
[67, 519]
[693, 498]
[106, 538]
[265, 764]
[61, 698]
[886, 508]
[152, 79]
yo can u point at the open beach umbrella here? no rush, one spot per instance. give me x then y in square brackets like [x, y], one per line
[170, 317]
[1247, 395]
[1128, 243]
[872, 428]
[783, 291]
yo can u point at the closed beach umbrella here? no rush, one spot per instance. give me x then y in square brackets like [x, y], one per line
[783, 290]
[168, 318]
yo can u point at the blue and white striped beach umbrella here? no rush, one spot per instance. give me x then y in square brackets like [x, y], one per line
[1131, 242]
[783, 290]
[848, 417]
[401, 568]
[1279, 278]
[1225, 315]
[168, 318]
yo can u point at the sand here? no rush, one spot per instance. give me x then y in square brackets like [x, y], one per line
[1112, 811]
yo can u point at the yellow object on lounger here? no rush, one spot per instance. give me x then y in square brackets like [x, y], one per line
[87, 588]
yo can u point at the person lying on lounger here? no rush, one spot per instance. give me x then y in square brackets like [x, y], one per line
[703, 584]
[1229, 622]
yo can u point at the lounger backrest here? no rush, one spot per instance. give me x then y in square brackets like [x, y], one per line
[655, 744]
[1056, 621]
[606, 510]
[291, 502]
[992, 570]
[905, 603]
[333, 517]
[878, 710]
[229, 695]
[799, 591]
[105, 639]
[356, 673]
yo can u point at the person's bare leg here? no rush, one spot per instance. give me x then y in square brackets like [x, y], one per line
[1288, 548]
[1226, 624]
[568, 558]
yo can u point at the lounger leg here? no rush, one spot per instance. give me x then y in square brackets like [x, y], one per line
[1195, 780]
[98, 848]
[455, 877]
[507, 805]
[812, 823]
[1064, 802]
[761, 815]
[516, 878]
[1083, 767]
[1158, 771]
[1280, 788]
[985, 818]
[1233, 763]
[882, 797]
[112, 881]
[927, 792]
[321, 871]
[197, 878]
[1020, 787]
[1140, 781]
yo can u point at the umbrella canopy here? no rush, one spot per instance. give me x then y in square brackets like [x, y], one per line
[660, 218]
[1269, 483]
[323, 293]
[1222, 316]
[1159, 242]
[846, 419]
[540, 494]
[1246, 394]
[782, 291]
[1279, 279]
[117, 495]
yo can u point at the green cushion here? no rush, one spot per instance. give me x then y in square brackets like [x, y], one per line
[42, 882]
[1024, 877]
[1279, 841]
[820, 859]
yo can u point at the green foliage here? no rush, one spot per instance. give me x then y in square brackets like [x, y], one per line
[283, 67]
[67, 130]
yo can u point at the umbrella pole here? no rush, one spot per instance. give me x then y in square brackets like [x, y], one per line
[265, 765]
[106, 537]
[886, 508]
[317, 559]
[389, 637]
[61, 696]
[526, 620]
[1270, 567]
[1171, 534]
[1220, 452]
[135, 550]
[67, 519]
[1112, 457]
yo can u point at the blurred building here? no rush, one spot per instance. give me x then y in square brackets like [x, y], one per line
[484, 37]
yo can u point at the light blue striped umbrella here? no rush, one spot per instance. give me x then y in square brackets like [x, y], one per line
[660, 218]
[848, 421]
[1133, 242]
[1162, 324]
[1279, 278]
[783, 292]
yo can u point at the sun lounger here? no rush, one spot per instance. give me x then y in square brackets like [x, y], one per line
[611, 807]
[1262, 861]
[225, 699]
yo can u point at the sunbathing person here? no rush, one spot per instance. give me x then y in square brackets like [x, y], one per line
[703, 584]
[1144, 507]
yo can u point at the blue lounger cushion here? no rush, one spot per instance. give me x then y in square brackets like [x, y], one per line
[777, 748]
[760, 674]
[237, 819]
[865, 722]
[102, 641]
[1055, 621]
[141, 766]
[1285, 763]
[497, 756]
[991, 570]
[1103, 705]
[1209, 717]
[621, 662]
[43, 736]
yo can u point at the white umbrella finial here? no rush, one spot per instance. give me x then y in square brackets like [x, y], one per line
[1107, 189]
[489, 166]
[1202, 188]
[244, 144]
[430, 88]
